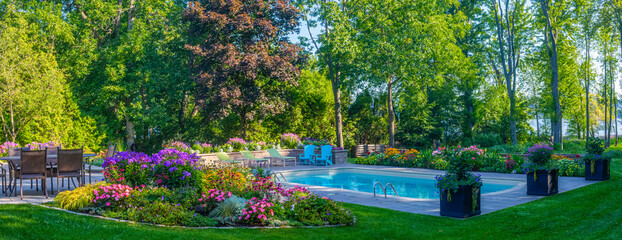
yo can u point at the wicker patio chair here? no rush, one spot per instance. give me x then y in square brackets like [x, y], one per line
[70, 165]
[33, 166]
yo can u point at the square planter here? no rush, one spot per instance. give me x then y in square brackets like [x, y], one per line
[461, 204]
[600, 168]
[544, 184]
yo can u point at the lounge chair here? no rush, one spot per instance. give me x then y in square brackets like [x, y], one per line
[325, 157]
[251, 158]
[308, 157]
[275, 155]
[224, 158]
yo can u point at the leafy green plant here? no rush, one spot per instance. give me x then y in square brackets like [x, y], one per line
[229, 208]
[594, 146]
[78, 198]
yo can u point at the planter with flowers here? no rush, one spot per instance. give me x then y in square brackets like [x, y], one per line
[596, 164]
[542, 175]
[460, 190]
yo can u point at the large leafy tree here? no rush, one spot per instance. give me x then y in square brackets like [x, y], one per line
[510, 22]
[241, 59]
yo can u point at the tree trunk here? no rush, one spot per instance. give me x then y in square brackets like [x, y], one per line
[552, 49]
[513, 120]
[118, 18]
[130, 16]
[243, 122]
[587, 91]
[390, 112]
[606, 102]
[129, 131]
[611, 106]
[537, 122]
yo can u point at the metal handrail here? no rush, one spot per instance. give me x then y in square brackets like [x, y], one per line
[385, 192]
[277, 177]
[384, 189]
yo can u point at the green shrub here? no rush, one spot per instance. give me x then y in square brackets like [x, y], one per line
[594, 146]
[78, 198]
[311, 209]
[487, 140]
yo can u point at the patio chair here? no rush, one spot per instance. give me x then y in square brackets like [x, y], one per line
[111, 148]
[70, 165]
[3, 176]
[326, 156]
[33, 166]
[12, 152]
[251, 158]
[275, 155]
[224, 158]
[52, 150]
[308, 156]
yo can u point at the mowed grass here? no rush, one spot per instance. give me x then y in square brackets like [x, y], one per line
[592, 212]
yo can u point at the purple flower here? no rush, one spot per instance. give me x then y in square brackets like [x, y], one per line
[172, 169]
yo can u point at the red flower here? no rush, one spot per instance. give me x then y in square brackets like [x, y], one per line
[578, 155]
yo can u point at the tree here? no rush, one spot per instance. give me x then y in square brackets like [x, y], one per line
[31, 83]
[241, 57]
[333, 45]
[512, 32]
[587, 30]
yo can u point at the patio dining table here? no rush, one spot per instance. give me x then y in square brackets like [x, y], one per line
[51, 160]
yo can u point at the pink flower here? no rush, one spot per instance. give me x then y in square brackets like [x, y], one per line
[107, 204]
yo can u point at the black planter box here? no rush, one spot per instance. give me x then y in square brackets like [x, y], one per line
[601, 170]
[545, 183]
[461, 204]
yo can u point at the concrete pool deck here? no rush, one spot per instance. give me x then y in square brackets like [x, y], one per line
[490, 202]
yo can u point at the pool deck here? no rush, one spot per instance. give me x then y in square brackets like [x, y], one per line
[490, 202]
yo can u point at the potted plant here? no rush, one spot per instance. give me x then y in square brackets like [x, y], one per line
[460, 190]
[542, 175]
[596, 164]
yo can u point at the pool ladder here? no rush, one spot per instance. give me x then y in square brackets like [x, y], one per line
[384, 189]
[276, 177]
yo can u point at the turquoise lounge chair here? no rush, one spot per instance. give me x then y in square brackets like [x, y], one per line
[308, 156]
[325, 157]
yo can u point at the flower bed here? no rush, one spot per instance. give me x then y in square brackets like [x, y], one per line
[171, 188]
[490, 161]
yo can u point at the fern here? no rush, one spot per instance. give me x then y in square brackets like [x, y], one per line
[78, 198]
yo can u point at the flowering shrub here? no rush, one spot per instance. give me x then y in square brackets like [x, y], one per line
[461, 162]
[4, 148]
[40, 146]
[539, 158]
[111, 195]
[289, 140]
[180, 146]
[200, 197]
[569, 167]
[169, 167]
[257, 211]
[231, 178]
[237, 144]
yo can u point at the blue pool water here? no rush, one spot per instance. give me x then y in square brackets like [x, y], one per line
[406, 185]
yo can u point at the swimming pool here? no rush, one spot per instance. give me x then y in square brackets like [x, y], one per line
[412, 185]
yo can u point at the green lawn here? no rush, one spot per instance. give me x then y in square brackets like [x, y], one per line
[592, 212]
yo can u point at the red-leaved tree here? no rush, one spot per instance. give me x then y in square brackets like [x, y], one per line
[241, 60]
